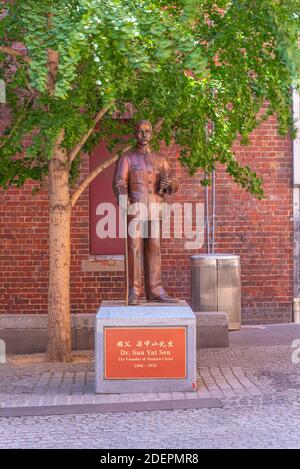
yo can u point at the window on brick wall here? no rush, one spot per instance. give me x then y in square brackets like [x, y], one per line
[101, 191]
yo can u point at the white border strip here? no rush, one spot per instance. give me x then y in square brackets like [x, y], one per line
[296, 142]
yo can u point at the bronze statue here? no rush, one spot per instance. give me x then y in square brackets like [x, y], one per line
[144, 177]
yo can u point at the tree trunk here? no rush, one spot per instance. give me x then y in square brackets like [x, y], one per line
[59, 348]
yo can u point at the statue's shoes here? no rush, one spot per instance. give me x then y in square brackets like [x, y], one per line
[164, 298]
[133, 300]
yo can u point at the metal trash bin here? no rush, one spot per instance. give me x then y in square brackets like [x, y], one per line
[216, 285]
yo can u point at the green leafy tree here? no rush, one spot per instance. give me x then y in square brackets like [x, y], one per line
[187, 65]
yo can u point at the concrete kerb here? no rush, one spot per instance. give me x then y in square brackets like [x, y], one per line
[182, 404]
[27, 333]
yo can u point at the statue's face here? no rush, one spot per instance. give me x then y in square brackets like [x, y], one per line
[143, 133]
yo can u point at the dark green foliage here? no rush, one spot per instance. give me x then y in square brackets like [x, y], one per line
[205, 67]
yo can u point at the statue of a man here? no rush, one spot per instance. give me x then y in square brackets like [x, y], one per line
[143, 177]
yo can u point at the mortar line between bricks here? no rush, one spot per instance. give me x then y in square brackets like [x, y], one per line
[85, 381]
[45, 389]
[61, 381]
[213, 388]
[248, 384]
[240, 375]
[58, 394]
[43, 385]
[235, 384]
[213, 378]
[61, 388]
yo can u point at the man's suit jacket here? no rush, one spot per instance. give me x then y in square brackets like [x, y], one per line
[138, 176]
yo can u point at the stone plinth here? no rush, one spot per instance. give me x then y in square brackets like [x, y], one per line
[146, 348]
[212, 329]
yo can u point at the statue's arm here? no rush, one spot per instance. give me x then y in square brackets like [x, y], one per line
[120, 180]
[172, 184]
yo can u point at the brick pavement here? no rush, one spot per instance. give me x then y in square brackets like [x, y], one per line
[257, 385]
[55, 387]
[257, 370]
[250, 373]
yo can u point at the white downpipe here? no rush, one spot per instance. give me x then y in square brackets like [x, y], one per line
[296, 310]
[296, 142]
[296, 206]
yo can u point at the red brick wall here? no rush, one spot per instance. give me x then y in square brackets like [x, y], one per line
[260, 231]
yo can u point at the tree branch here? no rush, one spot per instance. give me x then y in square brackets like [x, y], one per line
[84, 184]
[14, 53]
[7, 137]
[52, 65]
[158, 125]
[80, 144]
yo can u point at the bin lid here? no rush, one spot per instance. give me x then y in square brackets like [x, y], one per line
[215, 256]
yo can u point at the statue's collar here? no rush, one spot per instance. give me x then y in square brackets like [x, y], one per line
[144, 152]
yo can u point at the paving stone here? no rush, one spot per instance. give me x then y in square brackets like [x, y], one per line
[246, 427]
[259, 388]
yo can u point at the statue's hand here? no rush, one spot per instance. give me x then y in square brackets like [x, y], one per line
[166, 185]
[123, 202]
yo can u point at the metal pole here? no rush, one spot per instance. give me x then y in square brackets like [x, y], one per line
[207, 218]
[213, 210]
[126, 257]
[213, 190]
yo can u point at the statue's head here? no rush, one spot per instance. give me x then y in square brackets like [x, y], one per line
[143, 132]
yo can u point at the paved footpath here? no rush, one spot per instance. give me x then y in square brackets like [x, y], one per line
[248, 396]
